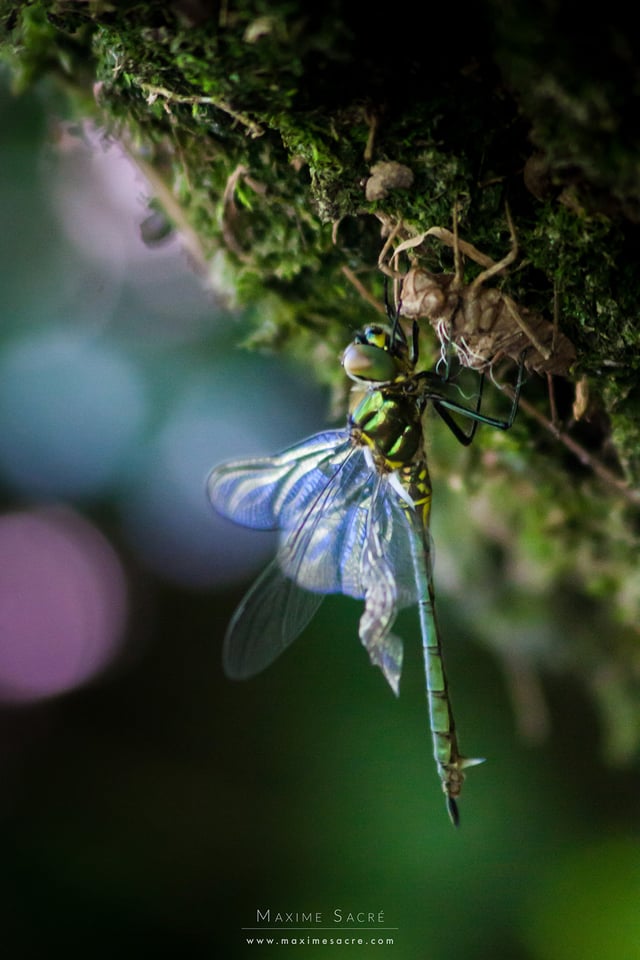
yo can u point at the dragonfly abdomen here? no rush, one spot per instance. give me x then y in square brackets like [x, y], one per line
[443, 727]
[417, 482]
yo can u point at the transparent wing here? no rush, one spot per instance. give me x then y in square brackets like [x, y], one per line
[271, 493]
[381, 593]
[394, 532]
[354, 540]
[314, 558]
[353, 531]
[298, 491]
[273, 613]
[342, 530]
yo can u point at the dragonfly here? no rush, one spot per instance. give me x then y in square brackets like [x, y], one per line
[351, 507]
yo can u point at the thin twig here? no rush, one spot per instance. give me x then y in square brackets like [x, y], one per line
[586, 458]
[362, 290]
[154, 92]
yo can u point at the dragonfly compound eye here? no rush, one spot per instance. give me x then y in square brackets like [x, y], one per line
[376, 336]
[369, 363]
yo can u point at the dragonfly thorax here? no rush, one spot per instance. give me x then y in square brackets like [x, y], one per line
[390, 425]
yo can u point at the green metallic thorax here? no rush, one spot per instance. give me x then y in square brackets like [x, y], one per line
[390, 425]
[389, 421]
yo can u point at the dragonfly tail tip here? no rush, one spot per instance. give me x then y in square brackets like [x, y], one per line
[452, 809]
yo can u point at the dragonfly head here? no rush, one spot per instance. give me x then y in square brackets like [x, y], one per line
[375, 356]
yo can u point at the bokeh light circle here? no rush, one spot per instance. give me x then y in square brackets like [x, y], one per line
[63, 601]
[71, 413]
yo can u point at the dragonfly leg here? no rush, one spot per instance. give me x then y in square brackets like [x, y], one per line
[443, 407]
[397, 333]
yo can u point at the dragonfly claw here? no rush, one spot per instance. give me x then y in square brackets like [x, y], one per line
[453, 784]
[465, 762]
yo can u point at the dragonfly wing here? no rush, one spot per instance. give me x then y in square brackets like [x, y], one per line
[342, 530]
[387, 577]
[322, 553]
[271, 493]
[294, 491]
[380, 608]
[393, 534]
[272, 614]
